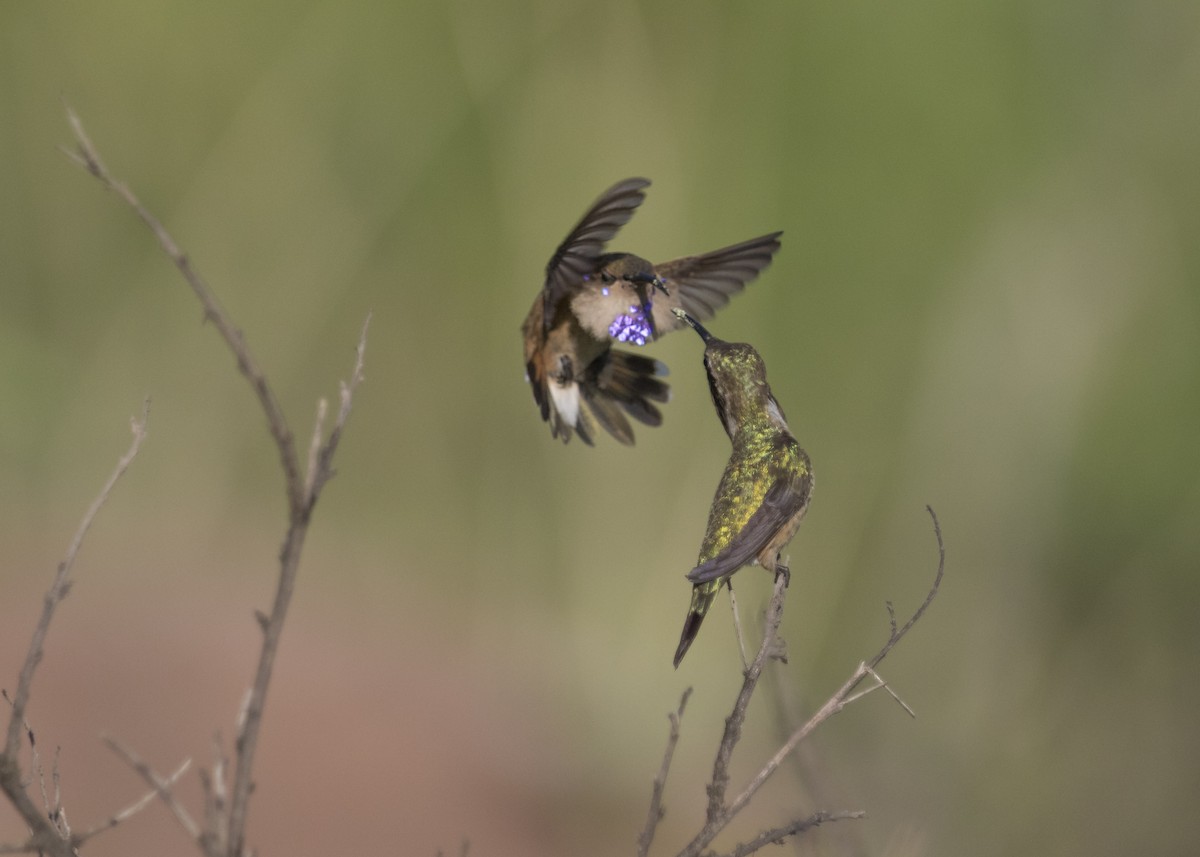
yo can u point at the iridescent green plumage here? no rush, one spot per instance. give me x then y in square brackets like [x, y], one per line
[765, 490]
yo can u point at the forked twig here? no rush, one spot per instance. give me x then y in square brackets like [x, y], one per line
[161, 785]
[720, 812]
[225, 835]
[160, 788]
[45, 836]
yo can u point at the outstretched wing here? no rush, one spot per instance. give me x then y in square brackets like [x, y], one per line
[786, 497]
[703, 284]
[576, 256]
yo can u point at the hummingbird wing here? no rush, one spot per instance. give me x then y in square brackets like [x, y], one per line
[703, 284]
[576, 256]
[786, 496]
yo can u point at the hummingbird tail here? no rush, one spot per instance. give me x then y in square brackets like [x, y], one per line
[620, 381]
[702, 598]
[616, 383]
[632, 378]
[561, 408]
[691, 627]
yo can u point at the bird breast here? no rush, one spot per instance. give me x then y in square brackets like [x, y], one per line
[613, 311]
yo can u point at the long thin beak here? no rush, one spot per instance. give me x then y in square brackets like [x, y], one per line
[651, 280]
[695, 325]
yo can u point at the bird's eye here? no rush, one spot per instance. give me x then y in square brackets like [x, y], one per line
[606, 276]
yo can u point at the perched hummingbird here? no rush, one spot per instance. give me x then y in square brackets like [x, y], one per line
[591, 299]
[767, 484]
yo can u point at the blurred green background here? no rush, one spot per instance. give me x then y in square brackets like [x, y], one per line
[986, 301]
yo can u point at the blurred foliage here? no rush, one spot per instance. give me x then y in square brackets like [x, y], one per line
[987, 300]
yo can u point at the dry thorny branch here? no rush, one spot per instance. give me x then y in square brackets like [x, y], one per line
[722, 811]
[226, 801]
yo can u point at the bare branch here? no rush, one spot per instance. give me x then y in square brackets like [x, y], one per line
[62, 583]
[161, 789]
[226, 822]
[346, 394]
[733, 724]
[892, 693]
[737, 626]
[654, 816]
[776, 835]
[54, 811]
[314, 445]
[719, 813]
[46, 835]
[88, 157]
[289, 560]
[896, 636]
[215, 839]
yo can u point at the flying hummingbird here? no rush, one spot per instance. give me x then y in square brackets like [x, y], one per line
[591, 299]
[767, 484]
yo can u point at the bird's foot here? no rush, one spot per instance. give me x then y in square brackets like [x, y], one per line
[783, 571]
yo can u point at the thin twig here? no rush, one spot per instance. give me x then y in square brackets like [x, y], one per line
[162, 787]
[346, 394]
[314, 445]
[655, 814]
[88, 157]
[62, 583]
[35, 763]
[893, 693]
[45, 835]
[733, 724]
[776, 835]
[737, 625]
[855, 697]
[215, 838]
[58, 813]
[289, 560]
[226, 829]
[720, 814]
[839, 700]
[896, 636]
[53, 810]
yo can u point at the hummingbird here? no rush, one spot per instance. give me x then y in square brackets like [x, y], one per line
[764, 493]
[592, 299]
